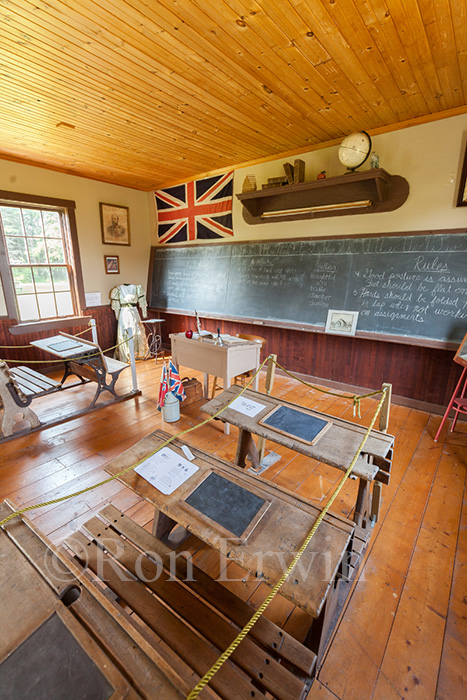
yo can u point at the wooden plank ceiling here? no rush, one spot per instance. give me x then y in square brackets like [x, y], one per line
[147, 93]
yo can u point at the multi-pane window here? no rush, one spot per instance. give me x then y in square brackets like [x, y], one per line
[40, 261]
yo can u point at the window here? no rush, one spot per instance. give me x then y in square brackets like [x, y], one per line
[41, 259]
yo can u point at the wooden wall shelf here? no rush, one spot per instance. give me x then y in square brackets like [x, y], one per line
[365, 192]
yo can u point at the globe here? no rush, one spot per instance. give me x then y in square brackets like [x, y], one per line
[355, 149]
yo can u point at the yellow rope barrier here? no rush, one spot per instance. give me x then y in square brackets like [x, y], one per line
[41, 362]
[354, 397]
[229, 651]
[239, 638]
[35, 506]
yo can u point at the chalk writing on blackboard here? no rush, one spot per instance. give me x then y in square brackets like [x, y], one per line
[411, 286]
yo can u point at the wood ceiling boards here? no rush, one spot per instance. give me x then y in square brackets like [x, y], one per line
[148, 93]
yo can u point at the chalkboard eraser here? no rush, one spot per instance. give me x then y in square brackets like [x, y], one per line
[258, 323]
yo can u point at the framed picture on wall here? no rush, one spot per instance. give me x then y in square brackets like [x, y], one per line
[112, 265]
[462, 196]
[461, 355]
[115, 224]
[341, 322]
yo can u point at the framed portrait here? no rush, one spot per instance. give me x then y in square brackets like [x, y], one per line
[112, 265]
[341, 322]
[462, 195]
[115, 224]
[461, 355]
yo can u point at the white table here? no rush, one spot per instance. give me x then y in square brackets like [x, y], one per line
[225, 361]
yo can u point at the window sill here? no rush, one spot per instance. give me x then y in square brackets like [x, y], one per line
[51, 325]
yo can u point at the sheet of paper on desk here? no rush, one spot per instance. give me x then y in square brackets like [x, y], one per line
[166, 470]
[247, 406]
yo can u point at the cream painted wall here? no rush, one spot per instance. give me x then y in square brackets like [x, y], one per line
[87, 194]
[430, 158]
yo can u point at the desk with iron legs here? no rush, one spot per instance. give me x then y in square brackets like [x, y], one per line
[336, 447]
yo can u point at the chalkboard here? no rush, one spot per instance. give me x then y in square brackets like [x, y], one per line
[226, 503]
[51, 664]
[295, 423]
[409, 285]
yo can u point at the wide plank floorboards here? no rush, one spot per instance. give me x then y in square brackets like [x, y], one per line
[403, 630]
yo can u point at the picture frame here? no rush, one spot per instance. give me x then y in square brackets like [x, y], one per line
[112, 264]
[462, 194]
[341, 322]
[461, 355]
[115, 224]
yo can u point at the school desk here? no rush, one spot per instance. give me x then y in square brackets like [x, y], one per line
[268, 547]
[336, 447]
[225, 361]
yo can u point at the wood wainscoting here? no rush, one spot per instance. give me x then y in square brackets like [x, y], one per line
[423, 377]
[12, 345]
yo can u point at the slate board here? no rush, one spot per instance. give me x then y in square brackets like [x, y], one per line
[295, 423]
[51, 664]
[226, 503]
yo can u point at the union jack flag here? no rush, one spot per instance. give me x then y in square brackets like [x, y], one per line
[199, 209]
[163, 389]
[175, 383]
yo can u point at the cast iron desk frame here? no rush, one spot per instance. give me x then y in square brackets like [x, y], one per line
[336, 447]
[88, 356]
[154, 337]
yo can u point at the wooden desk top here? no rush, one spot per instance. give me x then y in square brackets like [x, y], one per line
[65, 346]
[272, 544]
[336, 447]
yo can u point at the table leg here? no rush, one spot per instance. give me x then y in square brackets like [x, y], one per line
[246, 448]
[206, 385]
[162, 525]
[361, 515]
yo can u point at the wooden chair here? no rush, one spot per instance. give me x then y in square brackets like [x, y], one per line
[241, 378]
[189, 616]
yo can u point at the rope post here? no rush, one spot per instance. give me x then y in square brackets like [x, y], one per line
[383, 426]
[385, 409]
[271, 371]
[131, 349]
[92, 323]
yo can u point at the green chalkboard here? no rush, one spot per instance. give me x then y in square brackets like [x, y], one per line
[411, 286]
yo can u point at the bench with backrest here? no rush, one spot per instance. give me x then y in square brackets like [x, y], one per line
[18, 387]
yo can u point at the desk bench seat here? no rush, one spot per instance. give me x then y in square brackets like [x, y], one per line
[18, 387]
[192, 618]
[32, 383]
[96, 367]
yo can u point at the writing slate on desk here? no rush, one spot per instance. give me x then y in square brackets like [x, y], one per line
[229, 505]
[409, 285]
[296, 424]
[50, 663]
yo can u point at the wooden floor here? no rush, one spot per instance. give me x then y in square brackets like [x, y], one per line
[403, 631]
